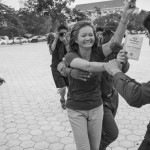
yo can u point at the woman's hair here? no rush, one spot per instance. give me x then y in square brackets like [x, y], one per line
[146, 22]
[74, 34]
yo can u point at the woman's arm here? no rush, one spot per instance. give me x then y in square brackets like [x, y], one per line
[119, 34]
[87, 66]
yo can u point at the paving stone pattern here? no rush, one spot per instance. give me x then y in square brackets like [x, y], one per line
[31, 117]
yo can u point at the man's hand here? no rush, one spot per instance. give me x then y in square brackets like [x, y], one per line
[73, 72]
[79, 74]
[2, 81]
[122, 56]
[113, 67]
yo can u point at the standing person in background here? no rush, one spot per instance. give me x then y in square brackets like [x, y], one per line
[84, 102]
[49, 37]
[136, 94]
[99, 35]
[58, 47]
[108, 32]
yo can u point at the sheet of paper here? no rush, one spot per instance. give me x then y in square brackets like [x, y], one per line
[133, 45]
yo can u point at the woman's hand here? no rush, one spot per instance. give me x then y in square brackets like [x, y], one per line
[113, 67]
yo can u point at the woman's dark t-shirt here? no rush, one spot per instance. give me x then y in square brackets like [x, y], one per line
[85, 95]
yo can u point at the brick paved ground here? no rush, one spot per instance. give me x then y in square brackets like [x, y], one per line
[30, 114]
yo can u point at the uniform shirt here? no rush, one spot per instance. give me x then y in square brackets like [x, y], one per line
[134, 93]
[84, 95]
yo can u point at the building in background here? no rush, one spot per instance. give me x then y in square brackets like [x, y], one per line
[101, 8]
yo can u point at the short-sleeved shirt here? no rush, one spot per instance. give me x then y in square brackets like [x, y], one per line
[59, 52]
[85, 95]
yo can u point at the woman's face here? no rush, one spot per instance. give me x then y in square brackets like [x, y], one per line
[85, 38]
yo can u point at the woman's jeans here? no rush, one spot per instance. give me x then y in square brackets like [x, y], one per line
[86, 127]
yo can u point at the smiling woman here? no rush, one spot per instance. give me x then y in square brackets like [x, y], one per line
[84, 101]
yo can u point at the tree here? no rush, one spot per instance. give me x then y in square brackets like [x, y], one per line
[79, 16]
[55, 10]
[14, 24]
[98, 11]
[136, 21]
[33, 22]
[103, 20]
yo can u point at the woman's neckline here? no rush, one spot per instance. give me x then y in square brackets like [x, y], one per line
[86, 55]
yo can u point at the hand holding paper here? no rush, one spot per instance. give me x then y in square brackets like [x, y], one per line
[133, 45]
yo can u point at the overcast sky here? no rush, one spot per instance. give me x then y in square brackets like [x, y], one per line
[142, 4]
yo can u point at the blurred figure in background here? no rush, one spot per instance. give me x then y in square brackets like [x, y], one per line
[99, 35]
[58, 47]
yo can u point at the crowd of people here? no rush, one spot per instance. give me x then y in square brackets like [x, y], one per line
[91, 63]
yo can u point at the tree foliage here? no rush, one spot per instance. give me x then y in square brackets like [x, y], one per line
[103, 20]
[135, 20]
[56, 10]
[33, 22]
[14, 23]
[42, 16]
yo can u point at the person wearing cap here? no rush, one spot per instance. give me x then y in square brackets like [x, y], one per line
[135, 94]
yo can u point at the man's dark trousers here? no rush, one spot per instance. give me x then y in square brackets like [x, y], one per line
[145, 145]
[110, 130]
